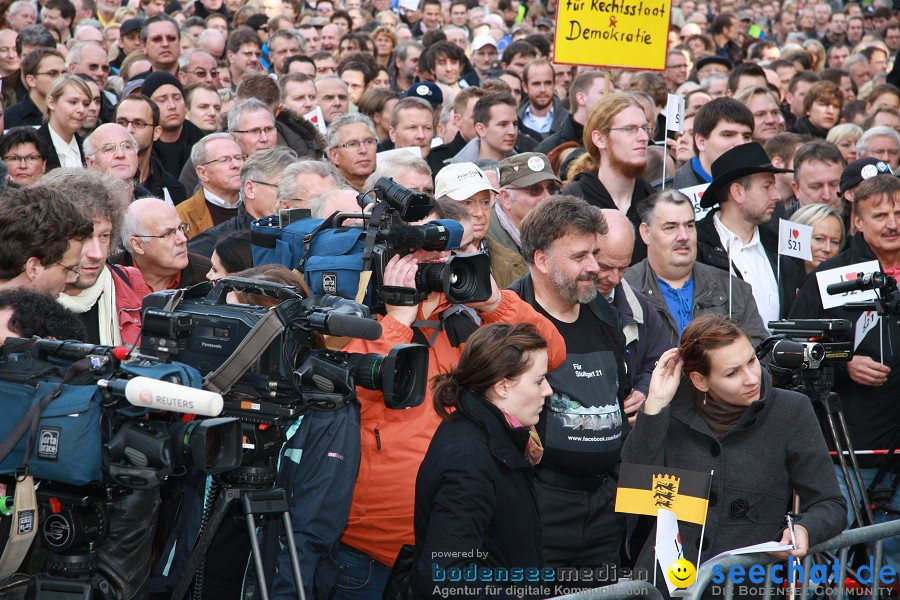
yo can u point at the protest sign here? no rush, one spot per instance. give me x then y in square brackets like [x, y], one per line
[631, 34]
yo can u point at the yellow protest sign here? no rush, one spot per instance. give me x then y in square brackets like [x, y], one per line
[630, 34]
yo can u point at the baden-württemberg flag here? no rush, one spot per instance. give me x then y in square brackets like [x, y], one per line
[644, 489]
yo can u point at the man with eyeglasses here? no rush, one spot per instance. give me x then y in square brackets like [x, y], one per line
[161, 38]
[243, 52]
[260, 178]
[178, 135]
[40, 69]
[467, 186]
[198, 66]
[251, 125]
[350, 144]
[140, 116]
[90, 59]
[106, 298]
[42, 233]
[610, 173]
[525, 180]
[218, 161]
[112, 149]
[155, 240]
[282, 46]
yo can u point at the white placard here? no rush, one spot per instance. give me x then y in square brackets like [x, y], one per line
[675, 113]
[668, 543]
[839, 274]
[794, 239]
[695, 193]
[410, 5]
[316, 117]
[414, 150]
[866, 323]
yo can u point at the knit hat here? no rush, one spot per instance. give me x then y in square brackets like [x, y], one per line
[156, 80]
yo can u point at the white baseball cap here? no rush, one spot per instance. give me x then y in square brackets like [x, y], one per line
[461, 181]
[483, 40]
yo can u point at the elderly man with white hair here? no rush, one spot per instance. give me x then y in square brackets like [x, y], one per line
[304, 181]
[112, 149]
[880, 142]
[155, 240]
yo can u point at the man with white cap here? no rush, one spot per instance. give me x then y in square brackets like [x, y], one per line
[467, 185]
[484, 55]
[525, 180]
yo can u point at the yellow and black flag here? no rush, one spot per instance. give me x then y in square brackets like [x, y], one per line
[644, 489]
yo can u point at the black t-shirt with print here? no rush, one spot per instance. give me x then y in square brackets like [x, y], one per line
[582, 424]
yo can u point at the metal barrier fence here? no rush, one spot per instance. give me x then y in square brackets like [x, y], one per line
[840, 544]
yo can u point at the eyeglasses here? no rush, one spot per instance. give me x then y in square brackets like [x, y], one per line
[53, 74]
[632, 129]
[183, 228]
[76, 270]
[224, 160]
[537, 189]
[265, 183]
[137, 124]
[256, 131]
[201, 73]
[125, 146]
[356, 145]
[30, 159]
[96, 66]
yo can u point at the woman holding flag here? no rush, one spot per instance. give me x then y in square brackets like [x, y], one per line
[712, 408]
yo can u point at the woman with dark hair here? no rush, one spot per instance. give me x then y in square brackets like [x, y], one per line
[25, 154]
[377, 105]
[762, 444]
[233, 253]
[475, 500]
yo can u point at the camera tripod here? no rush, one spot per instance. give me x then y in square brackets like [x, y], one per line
[253, 500]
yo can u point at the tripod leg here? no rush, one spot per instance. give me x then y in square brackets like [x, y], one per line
[854, 503]
[863, 497]
[254, 547]
[295, 560]
[223, 503]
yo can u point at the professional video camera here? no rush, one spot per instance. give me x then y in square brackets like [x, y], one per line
[339, 258]
[85, 409]
[268, 368]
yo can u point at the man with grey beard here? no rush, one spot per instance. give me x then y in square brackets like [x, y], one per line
[582, 424]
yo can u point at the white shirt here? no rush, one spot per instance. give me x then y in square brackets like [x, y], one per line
[69, 154]
[213, 199]
[750, 263]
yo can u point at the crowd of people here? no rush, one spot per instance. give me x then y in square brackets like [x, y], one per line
[633, 268]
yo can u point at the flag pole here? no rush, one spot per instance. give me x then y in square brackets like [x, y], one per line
[730, 269]
[703, 528]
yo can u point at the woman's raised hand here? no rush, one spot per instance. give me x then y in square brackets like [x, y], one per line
[664, 382]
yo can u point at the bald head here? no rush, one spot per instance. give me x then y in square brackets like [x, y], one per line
[621, 230]
[616, 247]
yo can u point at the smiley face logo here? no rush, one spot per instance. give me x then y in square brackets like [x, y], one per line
[682, 573]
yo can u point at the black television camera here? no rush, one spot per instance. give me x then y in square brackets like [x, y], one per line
[808, 344]
[341, 258]
[264, 362]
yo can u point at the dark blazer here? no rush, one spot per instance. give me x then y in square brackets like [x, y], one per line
[475, 491]
[53, 157]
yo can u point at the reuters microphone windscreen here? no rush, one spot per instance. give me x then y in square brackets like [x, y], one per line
[163, 395]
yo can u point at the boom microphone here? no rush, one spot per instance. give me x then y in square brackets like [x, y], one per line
[343, 325]
[145, 392]
[862, 282]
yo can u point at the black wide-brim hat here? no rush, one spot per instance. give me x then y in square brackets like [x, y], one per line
[738, 162]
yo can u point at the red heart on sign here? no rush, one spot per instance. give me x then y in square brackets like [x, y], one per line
[795, 233]
[315, 118]
[849, 276]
